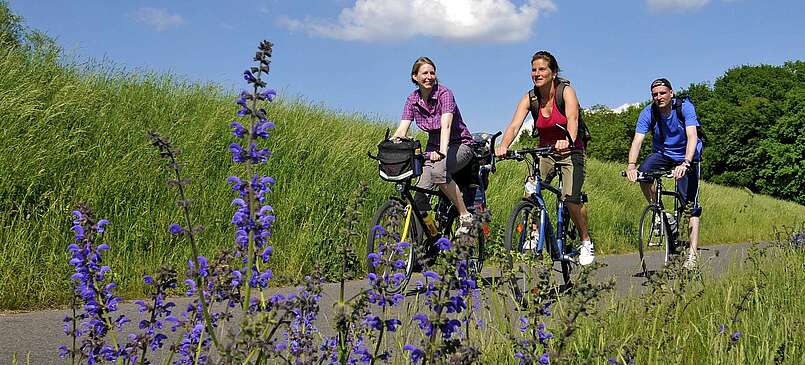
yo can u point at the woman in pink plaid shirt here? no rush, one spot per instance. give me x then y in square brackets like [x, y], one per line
[433, 108]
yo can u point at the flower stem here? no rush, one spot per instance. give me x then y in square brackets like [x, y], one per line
[200, 282]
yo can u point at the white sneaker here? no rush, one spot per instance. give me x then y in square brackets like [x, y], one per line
[532, 242]
[690, 262]
[587, 253]
[466, 221]
[657, 225]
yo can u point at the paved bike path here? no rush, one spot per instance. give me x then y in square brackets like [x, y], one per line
[37, 335]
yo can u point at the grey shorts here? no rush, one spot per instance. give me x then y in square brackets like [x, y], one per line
[572, 166]
[440, 172]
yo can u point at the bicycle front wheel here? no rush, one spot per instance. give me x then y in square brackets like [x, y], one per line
[522, 237]
[653, 244]
[522, 231]
[393, 237]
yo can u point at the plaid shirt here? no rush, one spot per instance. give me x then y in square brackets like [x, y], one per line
[428, 116]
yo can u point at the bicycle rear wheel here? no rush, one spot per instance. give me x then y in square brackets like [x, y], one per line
[654, 244]
[393, 236]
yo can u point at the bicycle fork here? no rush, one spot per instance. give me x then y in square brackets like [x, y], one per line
[408, 215]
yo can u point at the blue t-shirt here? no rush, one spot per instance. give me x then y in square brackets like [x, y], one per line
[676, 140]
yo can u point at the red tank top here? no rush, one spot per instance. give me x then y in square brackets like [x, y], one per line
[546, 126]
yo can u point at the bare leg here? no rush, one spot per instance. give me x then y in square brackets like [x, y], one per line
[454, 194]
[648, 191]
[578, 213]
[694, 235]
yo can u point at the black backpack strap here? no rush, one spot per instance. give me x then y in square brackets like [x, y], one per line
[533, 99]
[677, 103]
[560, 95]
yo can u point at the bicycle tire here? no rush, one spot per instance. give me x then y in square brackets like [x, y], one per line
[652, 236]
[390, 217]
[475, 256]
[521, 221]
[517, 229]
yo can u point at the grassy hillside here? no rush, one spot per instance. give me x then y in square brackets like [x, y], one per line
[73, 135]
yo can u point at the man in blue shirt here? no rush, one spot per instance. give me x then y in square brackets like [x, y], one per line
[674, 147]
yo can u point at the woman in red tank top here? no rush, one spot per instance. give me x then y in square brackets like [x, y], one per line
[571, 159]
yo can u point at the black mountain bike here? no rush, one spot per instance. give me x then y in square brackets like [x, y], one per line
[399, 230]
[661, 230]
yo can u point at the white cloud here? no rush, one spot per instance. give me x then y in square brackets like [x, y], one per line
[662, 5]
[159, 19]
[466, 20]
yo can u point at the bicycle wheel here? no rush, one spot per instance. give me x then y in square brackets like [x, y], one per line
[393, 236]
[522, 231]
[522, 236]
[474, 253]
[653, 238]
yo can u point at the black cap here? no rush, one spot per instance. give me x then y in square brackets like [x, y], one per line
[661, 82]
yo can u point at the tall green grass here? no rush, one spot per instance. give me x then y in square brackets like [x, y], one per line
[764, 303]
[75, 134]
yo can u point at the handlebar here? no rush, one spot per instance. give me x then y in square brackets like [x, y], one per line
[650, 175]
[519, 155]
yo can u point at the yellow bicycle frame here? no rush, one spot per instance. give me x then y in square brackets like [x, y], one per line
[407, 224]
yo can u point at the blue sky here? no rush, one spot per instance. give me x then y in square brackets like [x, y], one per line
[355, 56]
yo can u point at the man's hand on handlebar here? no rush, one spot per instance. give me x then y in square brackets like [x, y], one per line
[680, 171]
[631, 172]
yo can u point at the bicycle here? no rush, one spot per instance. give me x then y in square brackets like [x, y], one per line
[659, 228]
[399, 220]
[529, 226]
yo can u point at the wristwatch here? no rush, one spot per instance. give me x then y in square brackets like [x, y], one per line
[686, 163]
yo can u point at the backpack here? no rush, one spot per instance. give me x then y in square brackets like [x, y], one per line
[583, 131]
[676, 103]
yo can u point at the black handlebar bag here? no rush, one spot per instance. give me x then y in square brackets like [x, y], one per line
[399, 161]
